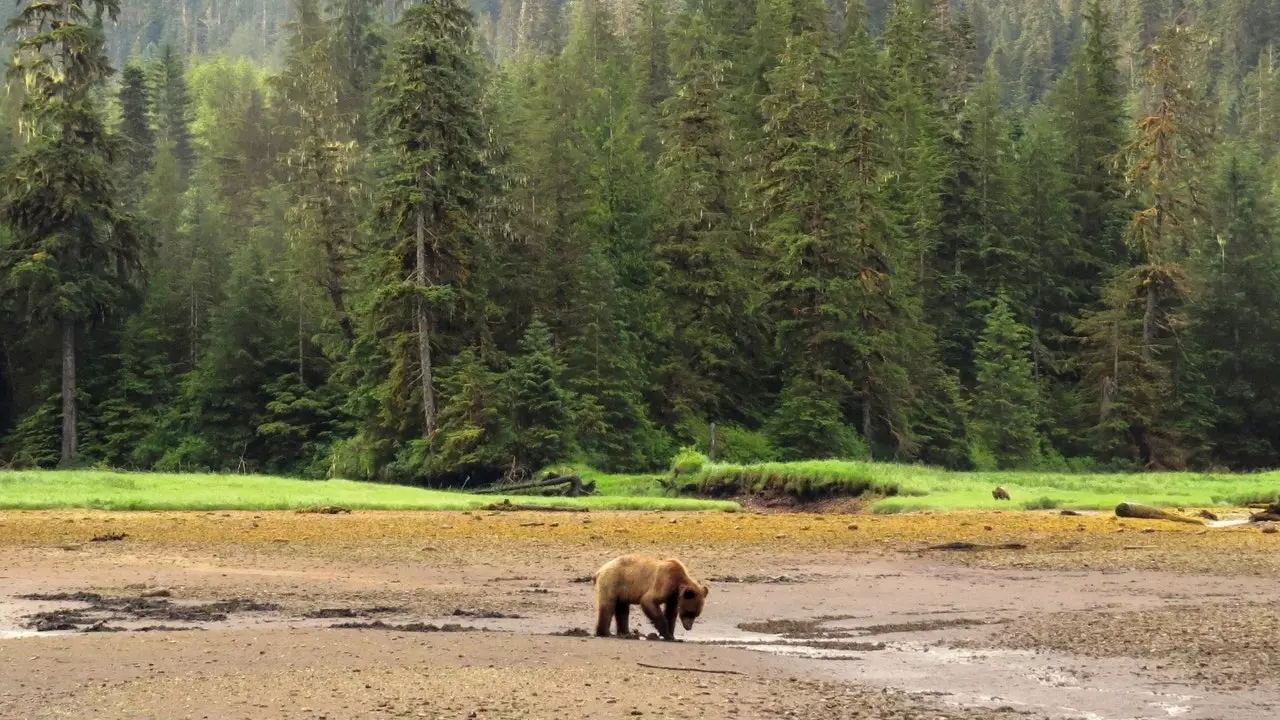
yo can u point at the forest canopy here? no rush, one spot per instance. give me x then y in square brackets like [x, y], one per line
[399, 241]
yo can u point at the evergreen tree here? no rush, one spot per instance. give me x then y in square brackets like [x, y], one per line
[1163, 168]
[1090, 99]
[135, 121]
[1235, 320]
[702, 275]
[1006, 399]
[74, 251]
[428, 115]
[542, 408]
[475, 430]
[320, 160]
[813, 277]
[978, 250]
[172, 108]
[357, 56]
[214, 424]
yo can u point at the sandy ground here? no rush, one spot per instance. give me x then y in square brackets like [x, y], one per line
[479, 615]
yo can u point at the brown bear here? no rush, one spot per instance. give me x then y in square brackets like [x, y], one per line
[663, 589]
[1000, 494]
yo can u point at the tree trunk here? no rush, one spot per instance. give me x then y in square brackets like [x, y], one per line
[424, 328]
[336, 291]
[69, 440]
[1149, 322]
[866, 411]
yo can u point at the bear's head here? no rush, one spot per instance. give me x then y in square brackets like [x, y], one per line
[691, 600]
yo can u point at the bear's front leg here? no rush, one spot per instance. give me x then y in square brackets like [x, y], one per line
[672, 611]
[654, 612]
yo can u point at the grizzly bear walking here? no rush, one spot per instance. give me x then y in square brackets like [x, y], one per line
[663, 589]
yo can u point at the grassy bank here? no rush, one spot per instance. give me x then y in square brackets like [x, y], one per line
[901, 488]
[155, 491]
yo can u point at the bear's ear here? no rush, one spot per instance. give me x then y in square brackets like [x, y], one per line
[705, 589]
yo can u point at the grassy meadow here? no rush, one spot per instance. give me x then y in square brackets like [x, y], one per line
[888, 488]
[36, 490]
[903, 488]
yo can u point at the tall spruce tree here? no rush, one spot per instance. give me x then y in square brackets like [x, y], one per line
[75, 250]
[813, 280]
[428, 117]
[1006, 399]
[1090, 101]
[1163, 167]
[1236, 323]
[320, 161]
[173, 108]
[135, 121]
[542, 408]
[701, 271]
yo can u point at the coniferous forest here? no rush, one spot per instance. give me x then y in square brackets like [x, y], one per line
[395, 240]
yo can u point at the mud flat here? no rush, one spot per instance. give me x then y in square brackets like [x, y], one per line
[456, 615]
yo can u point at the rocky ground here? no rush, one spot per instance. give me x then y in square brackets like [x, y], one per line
[480, 615]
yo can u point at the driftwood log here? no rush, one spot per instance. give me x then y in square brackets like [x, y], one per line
[1270, 514]
[1146, 512]
[574, 486]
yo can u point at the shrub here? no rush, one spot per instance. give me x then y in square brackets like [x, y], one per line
[688, 461]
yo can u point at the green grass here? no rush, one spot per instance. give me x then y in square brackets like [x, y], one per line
[807, 480]
[33, 490]
[901, 488]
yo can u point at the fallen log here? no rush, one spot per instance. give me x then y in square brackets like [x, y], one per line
[1146, 512]
[574, 489]
[1270, 514]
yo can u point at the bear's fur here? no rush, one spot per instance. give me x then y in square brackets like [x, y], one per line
[663, 589]
[1000, 494]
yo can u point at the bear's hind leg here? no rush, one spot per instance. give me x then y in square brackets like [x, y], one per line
[622, 615]
[604, 618]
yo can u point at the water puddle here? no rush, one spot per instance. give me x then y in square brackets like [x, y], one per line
[1229, 522]
[1046, 684]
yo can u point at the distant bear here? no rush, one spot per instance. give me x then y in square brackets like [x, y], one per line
[663, 589]
[1000, 494]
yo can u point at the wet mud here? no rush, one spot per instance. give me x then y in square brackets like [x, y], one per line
[817, 633]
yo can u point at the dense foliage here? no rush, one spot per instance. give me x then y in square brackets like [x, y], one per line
[433, 240]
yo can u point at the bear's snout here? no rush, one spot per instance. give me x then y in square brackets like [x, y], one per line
[687, 621]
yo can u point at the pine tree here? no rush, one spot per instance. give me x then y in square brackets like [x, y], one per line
[542, 408]
[1006, 399]
[428, 115]
[893, 341]
[1089, 99]
[172, 108]
[702, 275]
[475, 428]
[214, 424]
[978, 250]
[357, 52]
[135, 121]
[320, 161]
[75, 250]
[813, 280]
[1235, 320]
[1162, 161]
